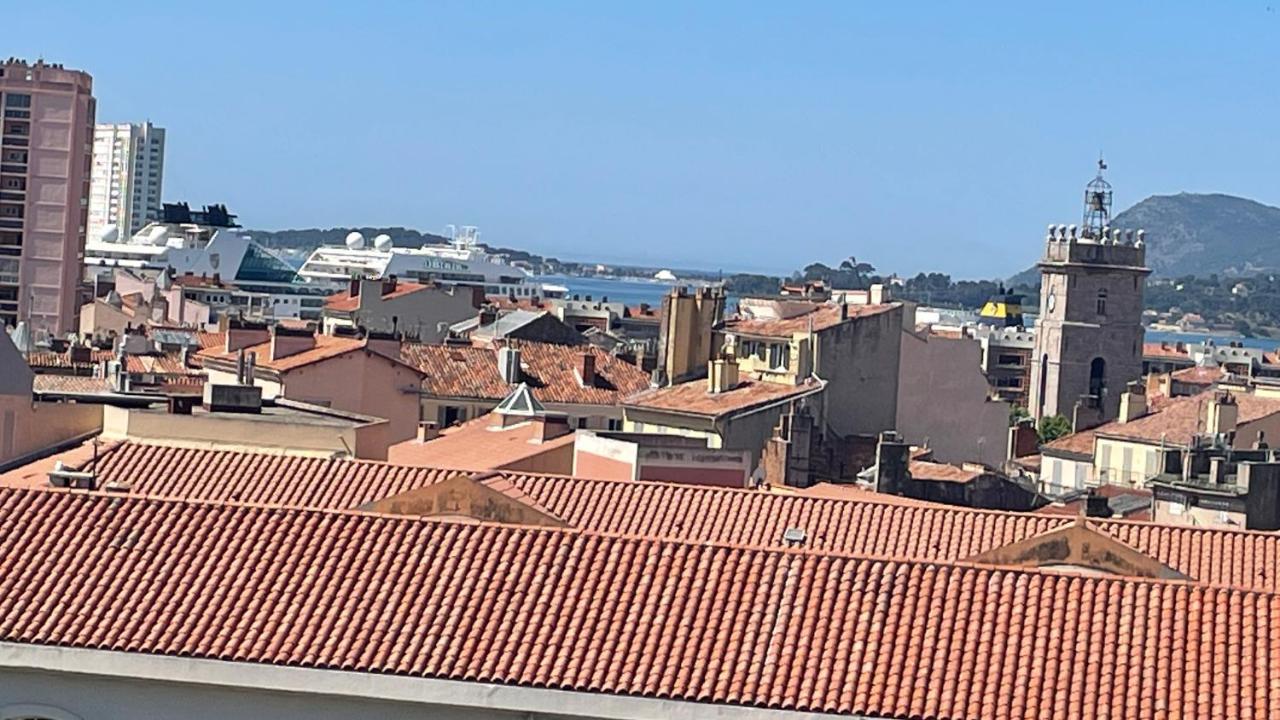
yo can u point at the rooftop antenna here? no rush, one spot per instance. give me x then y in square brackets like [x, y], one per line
[1097, 203]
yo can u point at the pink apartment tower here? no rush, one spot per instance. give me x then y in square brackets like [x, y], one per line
[46, 146]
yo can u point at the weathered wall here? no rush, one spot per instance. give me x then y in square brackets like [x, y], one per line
[236, 431]
[943, 398]
[606, 458]
[361, 382]
[27, 427]
[556, 461]
[859, 360]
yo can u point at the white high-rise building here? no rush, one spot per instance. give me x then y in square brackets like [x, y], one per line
[127, 174]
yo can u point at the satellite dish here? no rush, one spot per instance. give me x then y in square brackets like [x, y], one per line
[382, 242]
[109, 234]
[355, 241]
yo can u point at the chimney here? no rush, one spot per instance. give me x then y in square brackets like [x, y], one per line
[488, 315]
[893, 458]
[182, 404]
[844, 311]
[550, 427]
[389, 285]
[878, 294]
[587, 369]
[387, 344]
[722, 375]
[1133, 402]
[286, 342]
[241, 334]
[509, 364]
[1221, 414]
[353, 286]
[80, 354]
[1096, 505]
[428, 430]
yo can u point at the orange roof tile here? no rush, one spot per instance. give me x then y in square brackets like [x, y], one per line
[822, 317]
[71, 384]
[548, 370]
[326, 347]
[1198, 375]
[1181, 419]
[163, 364]
[692, 397]
[477, 445]
[1165, 351]
[871, 526]
[344, 302]
[941, 472]
[576, 611]
[48, 360]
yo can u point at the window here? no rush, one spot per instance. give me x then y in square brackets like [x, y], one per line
[1097, 377]
[1102, 301]
[17, 100]
[779, 356]
[1009, 382]
[615, 424]
[1009, 360]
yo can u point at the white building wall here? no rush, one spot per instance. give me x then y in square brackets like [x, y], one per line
[126, 177]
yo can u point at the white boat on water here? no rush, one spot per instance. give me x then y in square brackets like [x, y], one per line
[461, 262]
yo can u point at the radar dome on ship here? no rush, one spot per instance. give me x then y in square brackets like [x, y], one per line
[109, 234]
[355, 240]
[382, 242]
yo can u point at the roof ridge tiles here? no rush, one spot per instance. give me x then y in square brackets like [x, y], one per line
[660, 540]
[713, 490]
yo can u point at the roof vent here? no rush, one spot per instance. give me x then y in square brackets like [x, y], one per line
[794, 536]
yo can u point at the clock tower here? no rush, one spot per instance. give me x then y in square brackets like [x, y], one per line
[1089, 334]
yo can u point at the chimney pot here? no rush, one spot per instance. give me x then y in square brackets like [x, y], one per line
[587, 369]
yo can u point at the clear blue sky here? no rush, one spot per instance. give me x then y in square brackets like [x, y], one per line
[719, 134]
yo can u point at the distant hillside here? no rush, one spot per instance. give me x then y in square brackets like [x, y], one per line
[1192, 234]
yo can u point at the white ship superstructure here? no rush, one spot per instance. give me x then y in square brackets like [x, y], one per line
[461, 262]
[208, 245]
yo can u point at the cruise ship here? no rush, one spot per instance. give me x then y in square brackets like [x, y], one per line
[207, 244]
[461, 262]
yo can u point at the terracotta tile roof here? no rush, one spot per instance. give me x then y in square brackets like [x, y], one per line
[941, 472]
[326, 347]
[344, 302]
[1077, 443]
[71, 384]
[48, 360]
[871, 526]
[1165, 351]
[693, 398]
[256, 477]
[191, 280]
[1198, 375]
[823, 317]
[214, 340]
[477, 445]
[164, 364]
[1181, 419]
[575, 611]
[549, 370]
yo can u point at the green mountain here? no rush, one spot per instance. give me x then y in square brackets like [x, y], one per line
[1202, 235]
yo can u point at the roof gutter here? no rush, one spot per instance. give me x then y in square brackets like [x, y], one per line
[72, 665]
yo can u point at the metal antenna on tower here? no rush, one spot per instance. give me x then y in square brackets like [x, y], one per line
[1097, 203]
